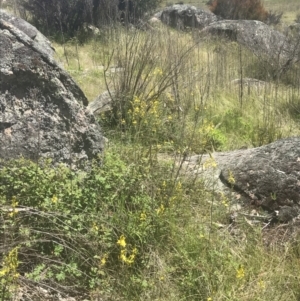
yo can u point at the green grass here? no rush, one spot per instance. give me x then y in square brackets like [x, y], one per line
[198, 261]
[175, 97]
[206, 93]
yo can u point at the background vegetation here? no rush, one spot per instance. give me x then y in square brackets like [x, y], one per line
[239, 9]
[289, 9]
[138, 226]
[70, 17]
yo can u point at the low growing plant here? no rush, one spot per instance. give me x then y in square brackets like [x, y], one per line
[62, 229]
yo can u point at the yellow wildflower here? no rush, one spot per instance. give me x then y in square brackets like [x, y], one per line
[10, 264]
[4, 271]
[178, 186]
[123, 256]
[172, 199]
[130, 258]
[157, 71]
[231, 179]
[143, 216]
[104, 259]
[136, 100]
[95, 227]
[225, 203]
[261, 284]
[211, 162]
[122, 241]
[13, 212]
[54, 199]
[14, 204]
[240, 272]
[161, 209]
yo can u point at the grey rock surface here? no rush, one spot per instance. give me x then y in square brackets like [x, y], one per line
[101, 103]
[183, 16]
[267, 176]
[29, 30]
[295, 28]
[42, 110]
[261, 39]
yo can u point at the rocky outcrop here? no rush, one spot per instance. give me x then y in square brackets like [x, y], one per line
[42, 108]
[267, 176]
[259, 38]
[183, 16]
[29, 30]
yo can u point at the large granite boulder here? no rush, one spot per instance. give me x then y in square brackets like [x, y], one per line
[43, 111]
[183, 16]
[264, 41]
[267, 176]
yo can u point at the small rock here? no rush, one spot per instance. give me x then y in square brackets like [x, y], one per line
[101, 103]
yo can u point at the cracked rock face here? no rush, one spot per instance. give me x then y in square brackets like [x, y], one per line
[268, 176]
[42, 110]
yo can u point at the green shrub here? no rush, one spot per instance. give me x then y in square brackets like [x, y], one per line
[82, 230]
[143, 106]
